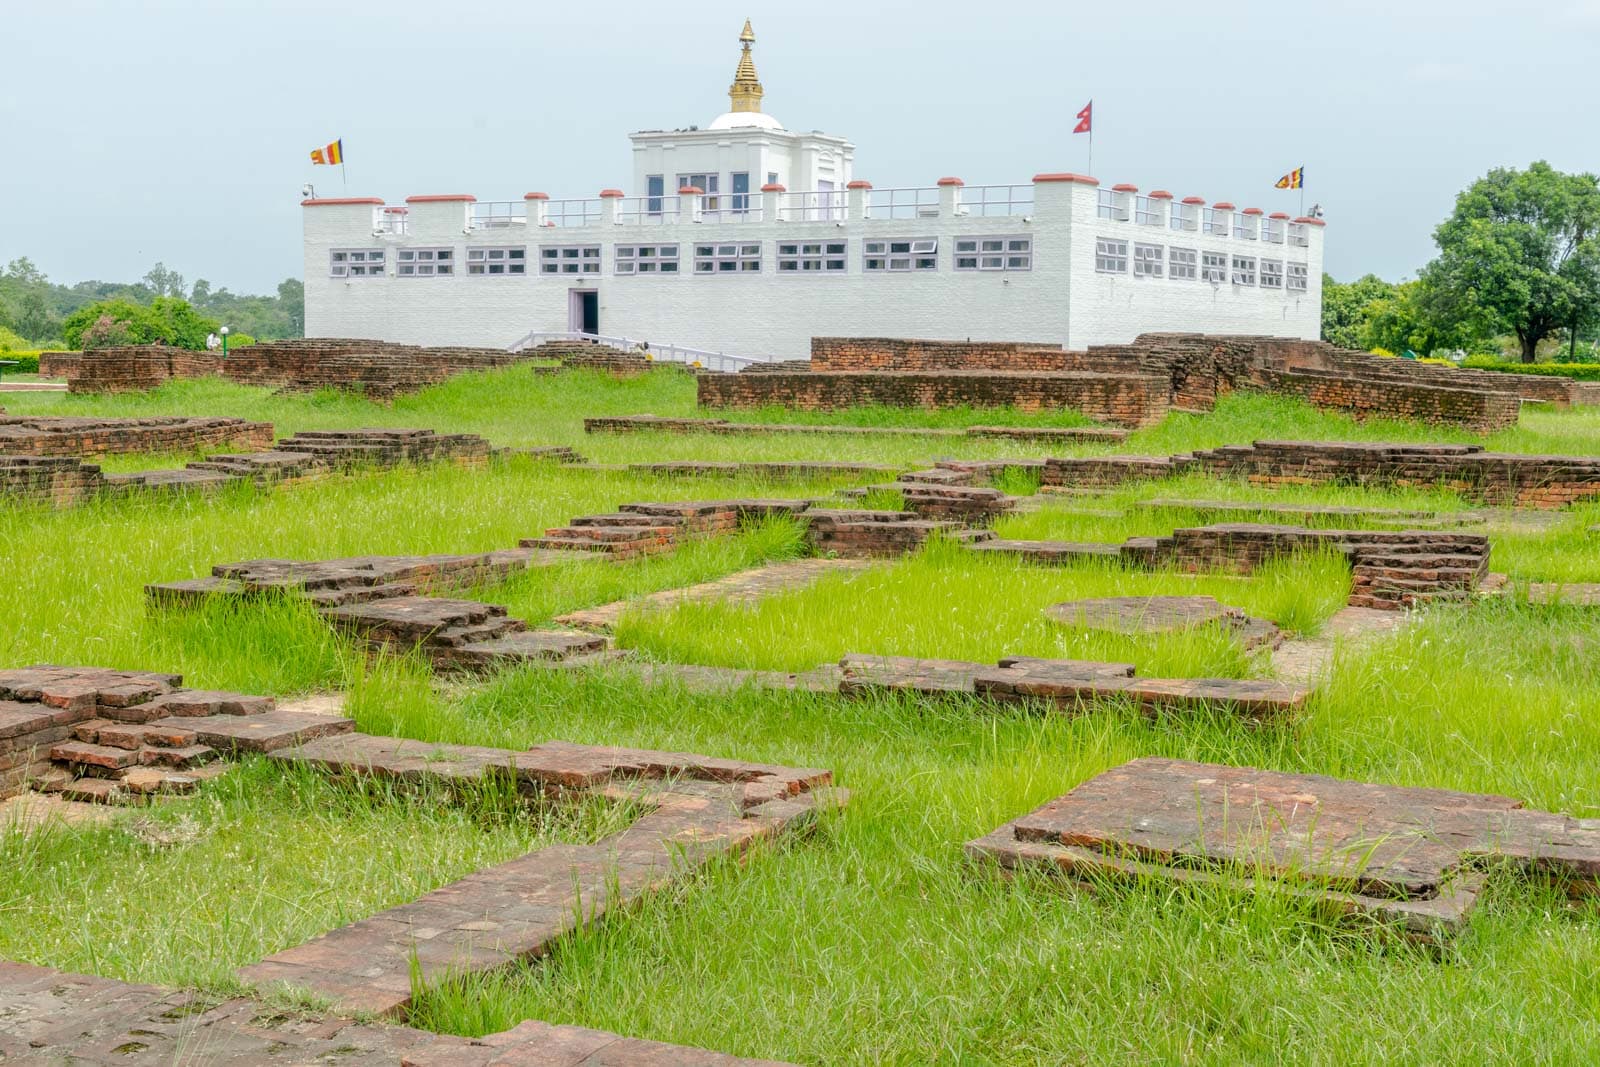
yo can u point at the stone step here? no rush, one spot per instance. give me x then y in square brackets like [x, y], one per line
[82, 754]
[655, 533]
[613, 549]
[626, 518]
[177, 758]
[1453, 576]
[267, 732]
[134, 736]
[540, 645]
[1049, 551]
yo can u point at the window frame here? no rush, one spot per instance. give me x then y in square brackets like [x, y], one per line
[1244, 226]
[1147, 211]
[341, 268]
[586, 263]
[1111, 255]
[1214, 221]
[632, 260]
[512, 256]
[433, 257]
[1275, 273]
[827, 262]
[1141, 257]
[912, 259]
[979, 256]
[1242, 270]
[740, 257]
[1214, 267]
[1181, 217]
[1272, 231]
[1297, 273]
[1186, 269]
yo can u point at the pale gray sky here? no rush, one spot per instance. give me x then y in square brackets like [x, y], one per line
[179, 131]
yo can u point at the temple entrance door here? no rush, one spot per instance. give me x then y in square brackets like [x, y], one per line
[583, 311]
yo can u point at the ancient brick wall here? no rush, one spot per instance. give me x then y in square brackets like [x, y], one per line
[34, 435]
[58, 364]
[1586, 393]
[832, 354]
[136, 367]
[1126, 400]
[1475, 409]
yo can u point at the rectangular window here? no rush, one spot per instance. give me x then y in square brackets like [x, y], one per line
[569, 259]
[1298, 274]
[741, 192]
[914, 253]
[1244, 227]
[645, 259]
[819, 257]
[1110, 257]
[1216, 222]
[1182, 217]
[1183, 264]
[1244, 270]
[1272, 274]
[655, 188]
[772, 177]
[1297, 235]
[497, 261]
[1147, 211]
[994, 253]
[1112, 205]
[355, 263]
[727, 259]
[424, 262]
[1214, 267]
[1272, 231]
[1147, 261]
[706, 183]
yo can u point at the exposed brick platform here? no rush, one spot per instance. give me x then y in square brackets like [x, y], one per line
[649, 528]
[58, 364]
[1500, 478]
[1310, 512]
[695, 808]
[803, 470]
[1164, 614]
[1131, 400]
[745, 587]
[1406, 856]
[1070, 685]
[659, 424]
[1392, 568]
[37, 435]
[61, 481]
[377, 368]
[103, 735]
[866, 532]
[1131, 385]
[136, 368]
[972, 505]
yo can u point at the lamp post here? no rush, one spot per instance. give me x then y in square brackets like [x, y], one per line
[224, 342]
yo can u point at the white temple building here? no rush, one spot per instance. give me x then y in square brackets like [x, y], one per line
[747, 238]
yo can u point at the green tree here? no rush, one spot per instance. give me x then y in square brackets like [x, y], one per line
[1345, 308]
[163, 282]
[292, 297]
[1520, 254]
[180, 324]
[168, 320]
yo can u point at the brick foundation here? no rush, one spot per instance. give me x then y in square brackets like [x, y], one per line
[34, 435]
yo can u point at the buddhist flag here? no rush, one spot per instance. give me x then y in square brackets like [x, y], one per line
[1295, 179]
[1085, 119]
[331, 153]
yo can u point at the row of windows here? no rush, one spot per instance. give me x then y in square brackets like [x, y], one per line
[793, 257]
[1218, 222]
[1111, 256]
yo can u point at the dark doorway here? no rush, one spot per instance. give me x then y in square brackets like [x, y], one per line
[583, 310]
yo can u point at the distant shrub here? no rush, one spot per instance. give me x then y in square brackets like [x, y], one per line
[27, 362]
[1583, 372]
[1383, 352]
[239, 340]
[106, 331]
[168, 320]
[11, 342]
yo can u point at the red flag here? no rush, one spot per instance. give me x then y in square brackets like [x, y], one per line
[1085, 119]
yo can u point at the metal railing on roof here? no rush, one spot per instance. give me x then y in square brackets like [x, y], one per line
[661, 353]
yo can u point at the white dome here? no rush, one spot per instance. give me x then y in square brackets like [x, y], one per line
[734, 120]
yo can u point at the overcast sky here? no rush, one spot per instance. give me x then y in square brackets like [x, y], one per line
[179, 131]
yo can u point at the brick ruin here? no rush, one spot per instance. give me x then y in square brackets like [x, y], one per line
[692, 810]
[1408, 858]
[1135, 384]
[1392, 569]
[51, 435]
[62, 481]
[724, 428]
[1511, 479]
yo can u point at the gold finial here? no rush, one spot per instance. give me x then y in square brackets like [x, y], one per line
[745, 93]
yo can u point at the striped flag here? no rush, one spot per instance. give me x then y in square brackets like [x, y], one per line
[1295, 179]
[331, 153]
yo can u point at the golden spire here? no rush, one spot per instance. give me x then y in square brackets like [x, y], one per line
[745, 92]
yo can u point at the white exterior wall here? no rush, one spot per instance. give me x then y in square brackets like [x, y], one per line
[1062, 299]
[799, 159]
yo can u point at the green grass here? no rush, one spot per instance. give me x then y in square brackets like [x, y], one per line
[873, 940]
[266, 858]
[948, 603]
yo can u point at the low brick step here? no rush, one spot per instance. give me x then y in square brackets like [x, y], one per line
[135, 736]
[1451, 575]
[1250, 699]
[742, 508]
[626, 518]
[932, 677]
[655, 533]
[83, 754]
[833, 516]
[190, 703]
[176, 758]
[457, 636]
[260, 733]
[410, 618]
[1054, 552]
[937, 476]
[614, 549]
[357, 594]
[972, 537]
[540, 645]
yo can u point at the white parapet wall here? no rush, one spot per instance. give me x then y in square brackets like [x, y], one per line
[1057, 260]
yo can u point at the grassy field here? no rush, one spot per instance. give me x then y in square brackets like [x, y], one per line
[873, 941]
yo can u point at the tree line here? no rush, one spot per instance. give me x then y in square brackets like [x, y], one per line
[38, 313]
[1518, 273]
